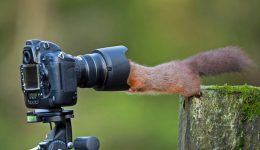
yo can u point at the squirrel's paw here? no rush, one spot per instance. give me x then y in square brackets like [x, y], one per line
[133, 90]
[197, 95]
[135, 86]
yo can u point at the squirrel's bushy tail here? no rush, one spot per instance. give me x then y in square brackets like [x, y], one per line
[222, 60]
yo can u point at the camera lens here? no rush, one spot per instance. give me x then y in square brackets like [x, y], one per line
[92, 69]
[105, 69]
[27, 57]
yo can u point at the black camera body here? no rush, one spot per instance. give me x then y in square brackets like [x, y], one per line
[50, 77]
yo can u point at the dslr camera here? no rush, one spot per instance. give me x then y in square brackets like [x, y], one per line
[49, 80]
[50, 77]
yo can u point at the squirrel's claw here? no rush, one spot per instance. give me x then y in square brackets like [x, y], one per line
[130, 90]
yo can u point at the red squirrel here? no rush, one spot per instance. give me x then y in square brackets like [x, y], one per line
[183, 76]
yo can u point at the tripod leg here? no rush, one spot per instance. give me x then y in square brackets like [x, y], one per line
[68, 131]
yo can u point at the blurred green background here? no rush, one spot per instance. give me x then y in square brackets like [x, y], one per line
[155, 31]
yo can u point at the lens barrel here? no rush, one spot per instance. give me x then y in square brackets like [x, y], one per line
[105, 69]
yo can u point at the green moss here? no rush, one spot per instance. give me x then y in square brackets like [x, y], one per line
[248, 89]
[249, 96]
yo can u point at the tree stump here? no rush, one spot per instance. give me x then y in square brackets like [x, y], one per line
[223, 118]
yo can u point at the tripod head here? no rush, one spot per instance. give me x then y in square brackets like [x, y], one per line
[60, 137]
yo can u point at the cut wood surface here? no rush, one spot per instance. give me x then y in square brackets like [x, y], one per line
[223, 118]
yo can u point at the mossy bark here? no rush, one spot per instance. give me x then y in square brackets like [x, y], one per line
[224, 117]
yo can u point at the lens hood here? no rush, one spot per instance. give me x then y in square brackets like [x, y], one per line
[118, 68]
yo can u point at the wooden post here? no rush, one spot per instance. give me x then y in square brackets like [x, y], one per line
[223, 118]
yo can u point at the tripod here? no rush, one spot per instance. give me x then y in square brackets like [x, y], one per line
[60, 137]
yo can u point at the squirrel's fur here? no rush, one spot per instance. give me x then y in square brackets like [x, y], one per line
[183, 76]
